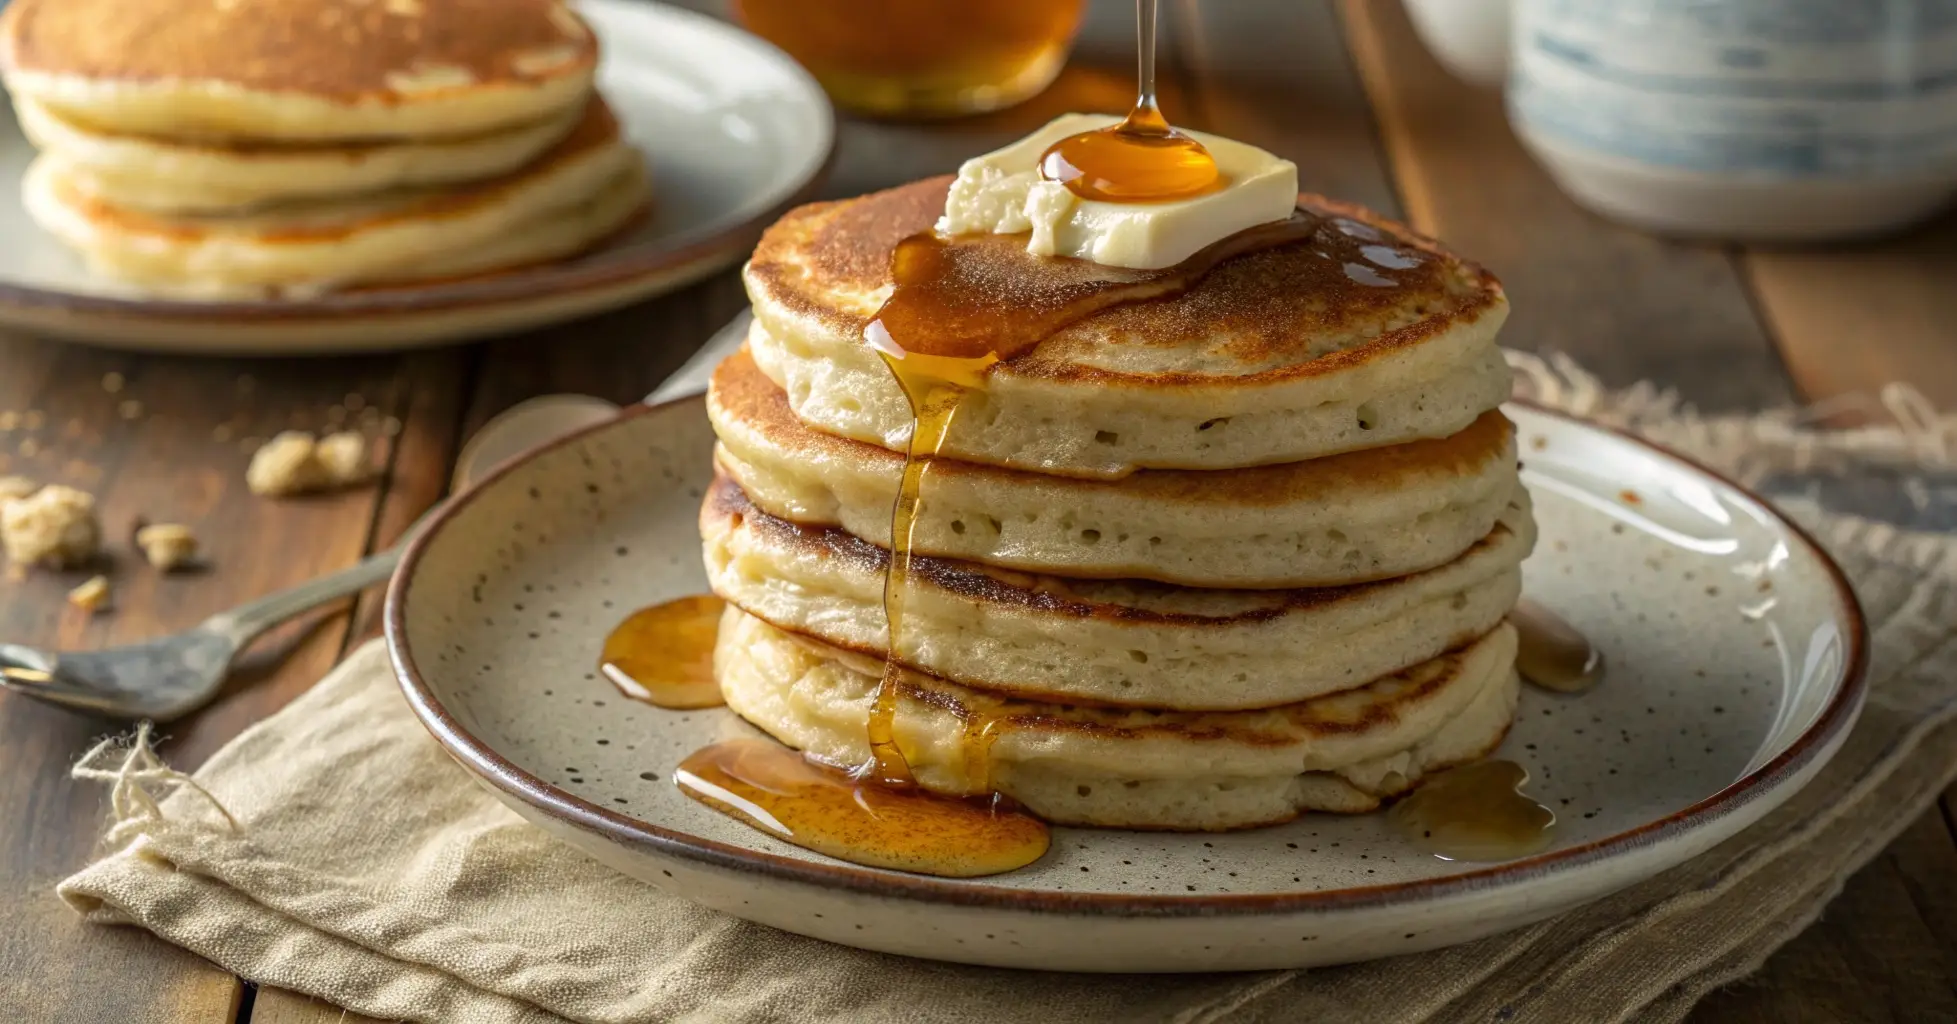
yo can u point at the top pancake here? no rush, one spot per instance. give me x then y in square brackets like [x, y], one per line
[1362, 336]
[298, 69]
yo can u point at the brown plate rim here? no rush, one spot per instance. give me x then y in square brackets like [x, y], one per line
[511, 779]
[601, 269]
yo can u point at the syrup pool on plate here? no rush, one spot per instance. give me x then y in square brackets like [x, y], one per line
[1475, 812]
[1551, 653]
[663, 655]
[830, 811]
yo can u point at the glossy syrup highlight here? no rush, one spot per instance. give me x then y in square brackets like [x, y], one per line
[1141, 160]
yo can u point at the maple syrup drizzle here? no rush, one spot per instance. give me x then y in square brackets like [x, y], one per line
[663, 655]
[981, 732]
[1141, 160]
[1475, 812]
[935, 387]
[831, 811]
[942, 329]
[1551, 653]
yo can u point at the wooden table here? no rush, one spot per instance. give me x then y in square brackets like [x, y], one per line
[1342, 88]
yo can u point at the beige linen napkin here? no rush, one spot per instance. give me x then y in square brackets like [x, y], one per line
[335, 850]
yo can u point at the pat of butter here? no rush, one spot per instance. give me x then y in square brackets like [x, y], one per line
[1002, 193]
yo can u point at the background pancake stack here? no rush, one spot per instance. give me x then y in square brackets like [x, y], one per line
[1199, 562]
[285, 147]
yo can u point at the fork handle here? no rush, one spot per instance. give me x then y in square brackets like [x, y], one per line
[247, 621]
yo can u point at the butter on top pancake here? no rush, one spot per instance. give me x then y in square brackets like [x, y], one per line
[580, 192]
[1129, 767]
[1365, 335]
[1116, 642]
[298, 69]
[189, 176]
[1341, 519]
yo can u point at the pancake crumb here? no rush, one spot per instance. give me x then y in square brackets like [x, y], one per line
[344, 455]
[54, 526]
[295, 463]
[167, 546]
[92, 596]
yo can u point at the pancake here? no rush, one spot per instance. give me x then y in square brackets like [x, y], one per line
[1343, 519]
[306, 70]
[1108, 642]
[171, 176]
[1118, 642]
[583, 190]
[1127, 768]
[1368, 335]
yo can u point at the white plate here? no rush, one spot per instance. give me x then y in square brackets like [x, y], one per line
[1736, 653]
[734, 132]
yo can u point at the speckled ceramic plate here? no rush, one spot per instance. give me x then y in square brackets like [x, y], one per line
[734, 132]
[1736, 652]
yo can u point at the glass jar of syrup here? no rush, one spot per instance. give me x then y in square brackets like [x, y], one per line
[902, 58]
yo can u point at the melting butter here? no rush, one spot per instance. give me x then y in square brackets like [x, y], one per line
[1003, 193]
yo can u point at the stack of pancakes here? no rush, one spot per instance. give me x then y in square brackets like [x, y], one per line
[1196, 562]
[287, 147]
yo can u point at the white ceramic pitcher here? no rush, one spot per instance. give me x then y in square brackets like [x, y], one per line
[1778, 120]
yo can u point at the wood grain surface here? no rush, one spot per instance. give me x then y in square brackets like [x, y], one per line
[1340, 86]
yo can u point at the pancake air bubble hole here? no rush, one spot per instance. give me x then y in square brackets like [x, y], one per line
[1140, 656]
[1106, 437]
[1084, 790]
[1368, 417]
[958, 527]
[993, 524]
[1207, 424]
[1091, 536]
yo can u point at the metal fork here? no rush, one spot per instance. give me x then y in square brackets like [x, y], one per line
[167, 678]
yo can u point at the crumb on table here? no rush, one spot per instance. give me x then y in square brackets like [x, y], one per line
[344, 456]
[167, 546]
[92, 596]
[55, 526]
[295, 462]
